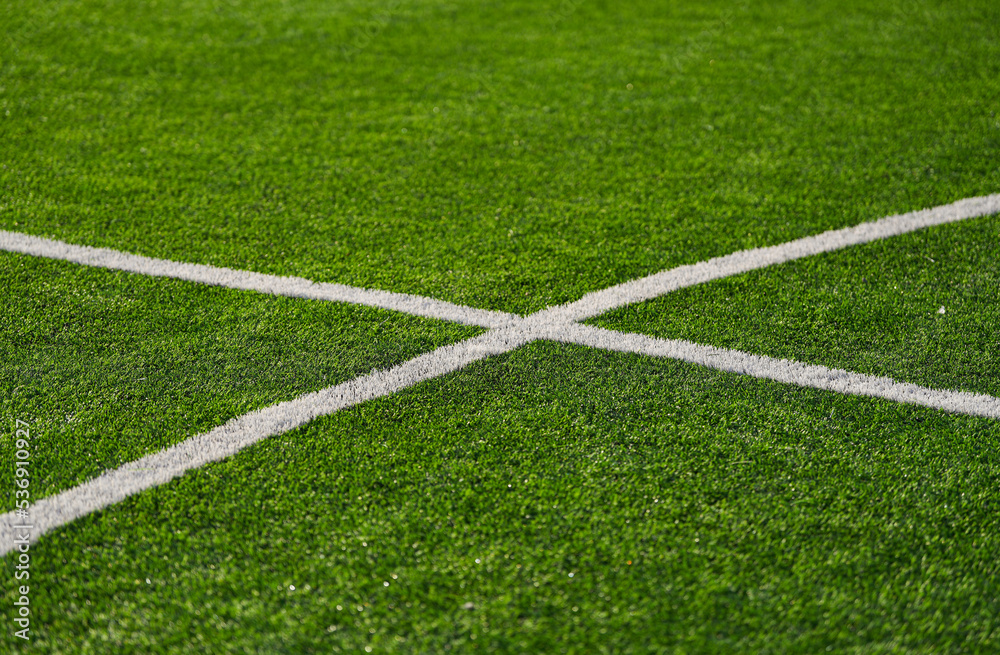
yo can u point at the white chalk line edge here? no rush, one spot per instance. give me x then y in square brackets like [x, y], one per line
[292, 287]
[507, 332]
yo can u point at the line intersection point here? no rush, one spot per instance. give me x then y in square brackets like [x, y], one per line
[506, 332]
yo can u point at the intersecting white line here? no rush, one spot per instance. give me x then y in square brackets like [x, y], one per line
[743, 261]
[783, 370]
[507, 333]
[293, 287]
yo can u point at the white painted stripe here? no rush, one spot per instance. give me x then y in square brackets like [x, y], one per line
[509, 332]
[241, 432]
[599, 302]
[232, 437]
[293, 287]
[782, 370]
[590, 305]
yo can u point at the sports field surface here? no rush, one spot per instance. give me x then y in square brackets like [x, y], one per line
[417, 326]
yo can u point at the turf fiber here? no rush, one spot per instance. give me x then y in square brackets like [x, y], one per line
[509, 156]
[918, 308]
[581, 502]
[110, 366]
[502, 155]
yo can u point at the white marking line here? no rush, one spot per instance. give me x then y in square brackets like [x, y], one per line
[510, 331]
[599, 302]
[235, 435]
[293, 287]
[783, 370]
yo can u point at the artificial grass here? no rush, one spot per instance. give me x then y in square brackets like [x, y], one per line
[109, 366]
[873, 309]
[504, 155]
[556, 499]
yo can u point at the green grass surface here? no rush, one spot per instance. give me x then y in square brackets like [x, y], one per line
[696, 511]
[871, 309]
[481, 152]
[109, 366]
[506, 155]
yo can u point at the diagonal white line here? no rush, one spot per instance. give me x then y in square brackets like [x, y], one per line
[230, 438]
[509, 332]
[590, 305]
[599, 302]
[294, 287]
[782, 370]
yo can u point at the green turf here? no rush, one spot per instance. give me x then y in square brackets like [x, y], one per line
[872, 309]
[582, 501]
[505, 155]
[109, 366]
